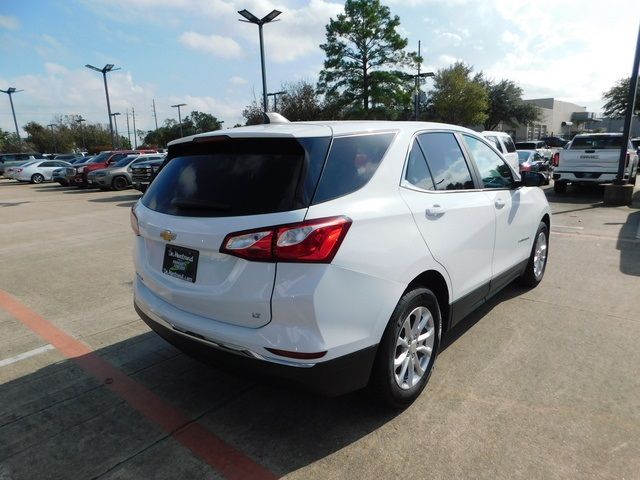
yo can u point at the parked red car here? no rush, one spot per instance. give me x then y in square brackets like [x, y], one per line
[102, 160]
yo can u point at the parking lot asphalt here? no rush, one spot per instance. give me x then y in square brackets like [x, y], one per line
[538, 383]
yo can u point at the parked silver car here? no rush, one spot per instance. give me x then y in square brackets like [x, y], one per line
[118, 176]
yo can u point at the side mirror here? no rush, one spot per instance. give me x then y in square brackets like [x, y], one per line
[530, 179]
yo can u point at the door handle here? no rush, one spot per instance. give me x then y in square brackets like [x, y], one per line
[499, 203]
[435, 211]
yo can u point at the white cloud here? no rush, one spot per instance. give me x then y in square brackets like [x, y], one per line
[55, 69]
[63, 91]
[9, 22]
[510, 37]
[238, 80]
[452, 37]
[217, 45]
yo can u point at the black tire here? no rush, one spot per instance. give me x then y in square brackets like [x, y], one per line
[37, 178]
[119, 183]
[383, 384]
[532, 275]
[560, 187]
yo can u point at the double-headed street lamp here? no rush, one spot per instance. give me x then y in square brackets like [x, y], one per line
[10, 91]
[179, 116]
[251, 18]
[114, 114]
[107, 68]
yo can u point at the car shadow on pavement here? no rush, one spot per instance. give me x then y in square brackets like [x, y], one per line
[577, 194]
[629, 243]
[120, 198]
[60, 419]
[467, 323]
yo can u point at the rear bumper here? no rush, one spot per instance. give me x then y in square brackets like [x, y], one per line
[334, 377]
[585, 177]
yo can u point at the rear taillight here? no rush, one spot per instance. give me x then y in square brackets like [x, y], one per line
[315, 241]
[134, 222]
[556, 159]
[525, 167]
[626, 163]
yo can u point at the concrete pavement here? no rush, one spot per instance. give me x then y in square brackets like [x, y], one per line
[536, 384]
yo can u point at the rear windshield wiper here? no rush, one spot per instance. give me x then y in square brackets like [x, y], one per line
[194, 204]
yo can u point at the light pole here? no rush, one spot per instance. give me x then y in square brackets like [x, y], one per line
[179, 116]
[10, 91]
[275, 99]
[53, 137]
[251, 18]
[114, 114]
[107, 68]
[79, 120]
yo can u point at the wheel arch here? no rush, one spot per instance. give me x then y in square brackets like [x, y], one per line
[435, 281]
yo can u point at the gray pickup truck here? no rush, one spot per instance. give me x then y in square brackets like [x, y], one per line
[593, 159]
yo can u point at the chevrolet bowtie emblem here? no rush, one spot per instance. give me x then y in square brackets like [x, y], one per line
[168, 235]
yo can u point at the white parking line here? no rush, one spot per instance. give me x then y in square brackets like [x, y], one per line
[22, 356]
[566, 226]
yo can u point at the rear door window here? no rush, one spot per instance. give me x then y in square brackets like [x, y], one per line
[417, 171]
[236, 177]
[495, 173]
[446, 162]
[351, 163]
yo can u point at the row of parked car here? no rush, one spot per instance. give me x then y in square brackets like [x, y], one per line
[109, 170]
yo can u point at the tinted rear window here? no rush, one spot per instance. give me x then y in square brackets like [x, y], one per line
[508, 143]
[596, 142]
[236, 177]
[526, 145]
[351, 164]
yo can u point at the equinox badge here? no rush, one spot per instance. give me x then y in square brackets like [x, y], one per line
[168, 235]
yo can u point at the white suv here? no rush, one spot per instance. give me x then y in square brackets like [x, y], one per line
[334, 254]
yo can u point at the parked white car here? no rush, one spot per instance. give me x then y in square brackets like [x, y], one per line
[333, 254]
[503, 143]
[537, 145]
[37, 172]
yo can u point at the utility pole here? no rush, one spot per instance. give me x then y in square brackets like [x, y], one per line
[179, 117]
[128, 131]
[275, 99]
[10, 91]
[155, 116]
[53, 137]
[631, 103]
[79, 119]
[135, 132]
[417, 88]
[115, 121]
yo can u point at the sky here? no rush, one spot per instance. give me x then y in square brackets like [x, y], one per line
[197, 52]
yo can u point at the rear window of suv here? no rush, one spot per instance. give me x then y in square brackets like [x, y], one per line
[234, 177]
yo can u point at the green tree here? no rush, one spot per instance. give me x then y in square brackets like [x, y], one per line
[457, 98]
[301, 102]
[364, 54]
[195, 122]
[253, 114]
[616, 99]
[505, 104]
